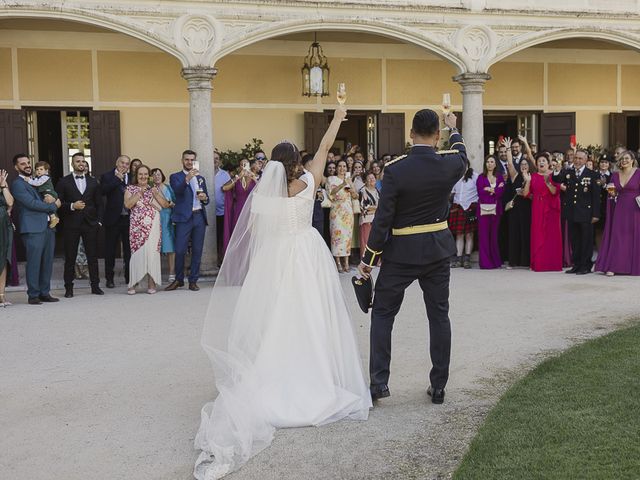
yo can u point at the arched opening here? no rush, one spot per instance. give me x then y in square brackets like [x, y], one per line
[387, 76]
[566, 83]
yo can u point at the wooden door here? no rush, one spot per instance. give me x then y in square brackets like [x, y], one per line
[391, 133]
[104, 135]
[556, 130]
[315, 126]
[13, 138]
[617, 130]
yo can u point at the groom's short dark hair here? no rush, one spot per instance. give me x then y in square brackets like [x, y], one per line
[425, 123]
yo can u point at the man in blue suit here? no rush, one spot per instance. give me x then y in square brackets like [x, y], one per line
[39, 240]
[190, 219]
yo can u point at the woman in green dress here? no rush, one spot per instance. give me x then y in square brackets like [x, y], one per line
[6, 234]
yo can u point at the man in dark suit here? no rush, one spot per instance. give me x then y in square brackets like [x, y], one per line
[411, 235]
[190, 219]
[39, 240]
[581, 208]
[116, 218]
[81, 213]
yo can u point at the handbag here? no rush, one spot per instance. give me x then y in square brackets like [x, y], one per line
[488, 209]
[509, 205]
[326, 201]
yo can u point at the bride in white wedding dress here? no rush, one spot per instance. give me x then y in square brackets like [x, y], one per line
[278, 330]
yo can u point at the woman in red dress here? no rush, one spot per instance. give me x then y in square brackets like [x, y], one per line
[546, 235]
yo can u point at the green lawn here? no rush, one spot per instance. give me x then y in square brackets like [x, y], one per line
[576, 416]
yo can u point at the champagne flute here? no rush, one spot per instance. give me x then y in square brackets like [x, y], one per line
[342, 95]
[446, 106]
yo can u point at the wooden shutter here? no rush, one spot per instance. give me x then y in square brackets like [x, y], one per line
[104, 135]
[617, 129]
[315, 126]
[556, 130]
[391, 133]
[13, 138]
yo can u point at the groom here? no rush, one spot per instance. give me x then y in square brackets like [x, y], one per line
[411, 227]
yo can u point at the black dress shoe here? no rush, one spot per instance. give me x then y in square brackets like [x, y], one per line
[48, 299]
[571, 270]
[173, 285]
[436, 394]
[68, 293]
[194, 287]
[34, 301]
[379, 392]
[96, 291]
[110, 284]
[584, 271]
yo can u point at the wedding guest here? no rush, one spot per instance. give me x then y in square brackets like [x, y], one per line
[135, 164]
[582, 206]
[329, 171]
[81, 212]
[116, 218]
[38, 239]
[605, 178]
[190, 219]
[236, 191]
[6, 235]
[463, 221]
[350, 162]
[144, 203]
[357, 175]
[377, 171]
[519, 207]
[620, 251]
[369, 199]
[569, 155]
[341, 192]
[546, 235]
[168, 234]
[221, 178]
[590, 163]
[490, 187]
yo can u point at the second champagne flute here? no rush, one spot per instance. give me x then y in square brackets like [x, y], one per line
[342, 95]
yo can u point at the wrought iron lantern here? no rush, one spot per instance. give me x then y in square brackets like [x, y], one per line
[315, 72]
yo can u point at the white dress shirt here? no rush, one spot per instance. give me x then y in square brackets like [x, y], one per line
[193, 183]
[81, 182]
[466, 193]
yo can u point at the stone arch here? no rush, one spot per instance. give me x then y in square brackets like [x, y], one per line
[115, 23]
[522, 42]
[436, 43]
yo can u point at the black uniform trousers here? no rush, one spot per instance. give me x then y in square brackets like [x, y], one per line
[581, 237]
[393, 280]
[89, 234]
[113, 235]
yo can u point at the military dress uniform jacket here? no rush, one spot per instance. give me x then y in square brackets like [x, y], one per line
[581, 201]
[415, 193]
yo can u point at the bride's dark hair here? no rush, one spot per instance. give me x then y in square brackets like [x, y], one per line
[289, 155]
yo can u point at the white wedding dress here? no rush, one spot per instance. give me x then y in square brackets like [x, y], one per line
[278, 332]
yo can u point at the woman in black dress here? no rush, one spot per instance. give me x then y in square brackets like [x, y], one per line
[6, 234]
[520, 211]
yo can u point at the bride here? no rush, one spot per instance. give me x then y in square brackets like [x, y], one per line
[278, 330]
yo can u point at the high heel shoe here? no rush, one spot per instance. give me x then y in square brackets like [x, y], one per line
[3, 302]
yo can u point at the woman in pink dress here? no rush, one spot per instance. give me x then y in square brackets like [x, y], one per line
[620, 250]
[546, 235]
[236, 191]
[490, 190]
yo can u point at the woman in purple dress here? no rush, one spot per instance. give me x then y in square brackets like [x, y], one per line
[490, 189]
[620, 250]
[236, 191]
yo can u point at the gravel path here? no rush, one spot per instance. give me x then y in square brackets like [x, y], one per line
[111, 388]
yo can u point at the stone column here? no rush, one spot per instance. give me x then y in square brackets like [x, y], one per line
[201, 141]
[473, 115]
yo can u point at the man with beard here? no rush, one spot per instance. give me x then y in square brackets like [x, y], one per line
[39, 240]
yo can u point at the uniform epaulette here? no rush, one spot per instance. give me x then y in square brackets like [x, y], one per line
[447, 152]
[391, 162]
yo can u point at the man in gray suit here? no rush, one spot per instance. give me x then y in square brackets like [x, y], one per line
[38, 238]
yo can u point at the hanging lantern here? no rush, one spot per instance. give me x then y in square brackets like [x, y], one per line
[315, 72]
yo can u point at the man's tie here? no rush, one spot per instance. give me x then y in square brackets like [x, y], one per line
[79, 177]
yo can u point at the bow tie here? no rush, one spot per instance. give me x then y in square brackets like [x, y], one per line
[80, 177]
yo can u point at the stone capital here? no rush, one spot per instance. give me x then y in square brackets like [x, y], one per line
[472, 82]
[199, 78]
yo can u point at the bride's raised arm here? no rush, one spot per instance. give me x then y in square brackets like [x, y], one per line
[316, 166]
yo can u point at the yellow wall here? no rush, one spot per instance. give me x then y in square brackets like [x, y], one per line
[6, 86]
[630, 77]
[55, 74]
[515, 83]
[571, 84]
[411, 82]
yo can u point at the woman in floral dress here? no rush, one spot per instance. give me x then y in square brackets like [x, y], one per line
[341, 192]
[145, 203]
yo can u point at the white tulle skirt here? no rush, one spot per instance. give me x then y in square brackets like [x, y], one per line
[292, 358]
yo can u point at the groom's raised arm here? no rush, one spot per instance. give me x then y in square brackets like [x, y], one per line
[383, 220]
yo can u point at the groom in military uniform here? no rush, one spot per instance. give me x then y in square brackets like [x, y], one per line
[411, 235]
